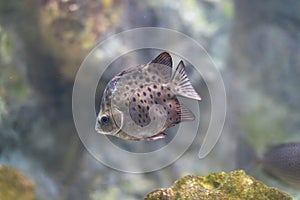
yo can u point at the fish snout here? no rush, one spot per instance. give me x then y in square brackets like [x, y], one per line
[98, 126]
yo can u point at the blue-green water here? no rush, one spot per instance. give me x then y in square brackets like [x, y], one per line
[255, 46]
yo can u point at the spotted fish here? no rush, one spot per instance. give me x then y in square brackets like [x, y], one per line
[281, 161]
[141, 102]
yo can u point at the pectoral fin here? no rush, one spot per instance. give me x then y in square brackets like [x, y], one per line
[155, 137]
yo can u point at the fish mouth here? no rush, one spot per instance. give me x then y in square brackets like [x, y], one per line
[98, 128]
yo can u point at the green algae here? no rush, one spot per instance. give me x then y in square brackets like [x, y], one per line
[13, 185]
[235, 185]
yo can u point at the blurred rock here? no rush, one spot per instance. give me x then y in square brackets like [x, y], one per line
[264, 62]
[235, 185]
[14, 185]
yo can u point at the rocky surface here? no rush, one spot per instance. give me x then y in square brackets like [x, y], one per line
[235, 185]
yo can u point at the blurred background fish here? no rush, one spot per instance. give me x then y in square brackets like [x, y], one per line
[281, 161]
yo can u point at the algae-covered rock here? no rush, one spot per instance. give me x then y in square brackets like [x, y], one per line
[235, 185]
[13, 185]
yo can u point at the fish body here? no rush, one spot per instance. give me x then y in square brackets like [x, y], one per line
[281, 161]
[141, 102]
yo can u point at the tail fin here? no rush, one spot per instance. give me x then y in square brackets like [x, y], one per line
[181, 83]
[246, 156]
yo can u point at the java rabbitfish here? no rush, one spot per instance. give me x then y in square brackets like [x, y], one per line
[281, 161]
[141, 102]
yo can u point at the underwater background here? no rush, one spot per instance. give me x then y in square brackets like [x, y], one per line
[255, 45]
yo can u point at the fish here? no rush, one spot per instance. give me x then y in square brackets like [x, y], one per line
[280, 161]
[141, 102]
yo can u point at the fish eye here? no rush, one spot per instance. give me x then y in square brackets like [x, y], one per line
[104, 119]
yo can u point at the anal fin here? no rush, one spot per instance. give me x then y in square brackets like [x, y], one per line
[186, 114]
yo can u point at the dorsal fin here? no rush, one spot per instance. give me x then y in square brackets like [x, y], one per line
[163, 59]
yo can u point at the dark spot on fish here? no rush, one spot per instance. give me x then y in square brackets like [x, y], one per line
[168, 88]
[139, 106]
[127, 88]
[141, 86]
[144, 93]
[138, 94]
[149, 89]
[164, 100]
[154, 86]
[160, 112]
[142, 125]
[140, 116]
[135, 82]
[171, 118]
[169, 95]
[156, 102]
[165, 108]
[168, 112]
[148, 107]
[133, 99]
[158, 94]
[133, 108]
[161, 87]
[153, 77]
[139, 121]
[145, 101]
[141, 101]
[147, 79]
[151, 102]
[170, 105]
[159, 80]
[151, 96]
[146, 116]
